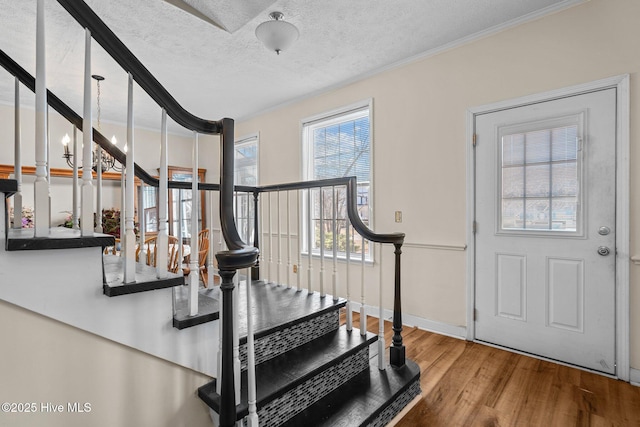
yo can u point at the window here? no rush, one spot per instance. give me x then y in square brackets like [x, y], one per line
[338, 144]
[180, 203]
[540, 178]
[246, 173]
[150, 203]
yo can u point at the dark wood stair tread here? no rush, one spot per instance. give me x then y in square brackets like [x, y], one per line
[361, 400]
[58, 238]
[146, 279]
[208, 310]
[275, 307]
[285, 372]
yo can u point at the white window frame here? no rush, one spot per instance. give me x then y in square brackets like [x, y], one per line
[307, 125]
[253, 138]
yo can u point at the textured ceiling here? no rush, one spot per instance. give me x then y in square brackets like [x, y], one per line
[230, 15]
[215, 72]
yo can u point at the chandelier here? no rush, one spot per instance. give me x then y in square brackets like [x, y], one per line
[107, 161]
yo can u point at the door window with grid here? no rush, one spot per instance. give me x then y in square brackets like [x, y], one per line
[540, 178]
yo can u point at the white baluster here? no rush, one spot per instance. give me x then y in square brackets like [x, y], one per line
[279, 267]
[194, 277]
[381, 344]
[141, 230]
[262, 235]
[75, 210]
[299, 220]
[269, 276]
[17, 168]
[236, 334]
[334, 281]
[219, 358]
[288, 241]
[130, 236]
[163, 233]
[98, 227]
[310, 236]
[211, 254]
[247, 218]
[363, 311]
[252, 418]
[348, 305]
[86, 195]
[49, 159]
[321, 197]
[236, 211]
[179, 236]
[41, 186]
[123, 204]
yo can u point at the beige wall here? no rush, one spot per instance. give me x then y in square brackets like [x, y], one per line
[419, 135]
[44, 361]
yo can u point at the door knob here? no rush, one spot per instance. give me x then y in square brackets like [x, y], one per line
[603, 250]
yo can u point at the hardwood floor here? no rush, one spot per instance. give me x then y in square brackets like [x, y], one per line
[470, 384]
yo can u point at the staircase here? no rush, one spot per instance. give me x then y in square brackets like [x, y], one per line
[310, 371]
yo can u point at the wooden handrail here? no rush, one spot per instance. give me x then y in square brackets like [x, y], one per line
[87, 18]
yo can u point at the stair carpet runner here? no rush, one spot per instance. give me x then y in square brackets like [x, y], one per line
[312, 371]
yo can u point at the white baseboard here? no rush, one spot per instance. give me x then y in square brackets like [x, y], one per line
[634, 377]
[419, 322]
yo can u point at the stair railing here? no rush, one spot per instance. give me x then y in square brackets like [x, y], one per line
[332, 205]
[238, 255]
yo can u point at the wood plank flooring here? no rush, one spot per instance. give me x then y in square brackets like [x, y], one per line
[470, 384]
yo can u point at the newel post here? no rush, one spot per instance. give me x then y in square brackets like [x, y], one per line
[227, 389]
[397, 350]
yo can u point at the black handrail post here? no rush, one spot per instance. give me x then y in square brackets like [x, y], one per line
[227, 172]
[255, 270]
[397, 350]
[227, 388]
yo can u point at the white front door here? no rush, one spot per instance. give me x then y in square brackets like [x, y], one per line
[545, 229]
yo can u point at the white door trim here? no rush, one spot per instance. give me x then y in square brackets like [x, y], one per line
[621, 84]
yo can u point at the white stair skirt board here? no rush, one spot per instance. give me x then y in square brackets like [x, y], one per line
[409, 320]
[142, 321]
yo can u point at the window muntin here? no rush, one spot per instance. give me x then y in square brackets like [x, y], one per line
[339, 145]
[540, 174]
[246, 173]
[180, 199]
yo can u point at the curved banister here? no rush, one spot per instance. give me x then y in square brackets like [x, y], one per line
[87, 18]
[356, 221]
[65, 111]
[239, 255]
[352, 209]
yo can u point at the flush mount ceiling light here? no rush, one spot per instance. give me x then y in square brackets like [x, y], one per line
[277, 34]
